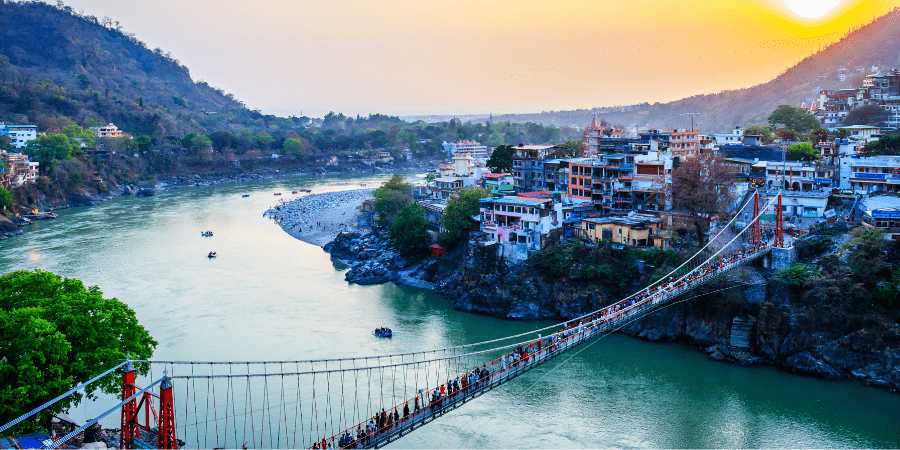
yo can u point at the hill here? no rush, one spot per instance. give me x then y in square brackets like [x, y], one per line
[58, 67]
[875, 44]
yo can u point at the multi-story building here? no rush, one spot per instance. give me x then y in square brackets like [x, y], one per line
[17, 170]
[592, 135]
[519, 220]
[876, 87]
[498, 183]
[870, 174]
[685, 141]
[528, 166]
[477, 150]
[621, 183]
[556, 175]
[882, 212]
[107, 131]
[19, 135]
[799, 176]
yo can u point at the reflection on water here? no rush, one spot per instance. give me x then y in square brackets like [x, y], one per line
[268, 296]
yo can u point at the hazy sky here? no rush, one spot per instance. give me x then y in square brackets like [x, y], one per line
[479, 56]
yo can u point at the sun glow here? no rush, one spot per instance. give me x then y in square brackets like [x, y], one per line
[811, 9]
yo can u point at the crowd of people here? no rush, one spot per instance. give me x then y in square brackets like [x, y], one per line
[481, 377]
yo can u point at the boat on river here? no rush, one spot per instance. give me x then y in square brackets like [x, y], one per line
[245, 195]
[206, 233]
[211, 255]
[383, 332]
[294, 192]
[278, 193]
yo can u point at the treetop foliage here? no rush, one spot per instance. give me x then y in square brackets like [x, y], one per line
[55, 334]
[459, 212]
[795, 119]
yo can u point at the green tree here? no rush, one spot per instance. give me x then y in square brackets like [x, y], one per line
[886, 145]
[298, 147]
[55, 334]
[409, 232]
[762, 130]
[79, 135]
[200, 142]
[803, 151]
[143, 143]
[795, 119]
[459, 212]
[391, 198]
[6, 198]
[48, 150]
[501, 160]
[571, 149]
[866, 115]
[798, 277]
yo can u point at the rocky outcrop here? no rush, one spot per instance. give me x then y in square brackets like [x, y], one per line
[779, 330]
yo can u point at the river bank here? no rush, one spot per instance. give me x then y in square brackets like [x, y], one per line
[757, 323]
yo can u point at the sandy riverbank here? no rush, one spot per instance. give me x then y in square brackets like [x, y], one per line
[317, 218]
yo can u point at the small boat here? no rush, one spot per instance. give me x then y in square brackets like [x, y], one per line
[211, 255]
[309, 191]
[278, 193]
[383, 332]
[206, 233]
[294, 192]
[245, 195]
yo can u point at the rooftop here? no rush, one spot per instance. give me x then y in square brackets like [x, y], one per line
[629, 220]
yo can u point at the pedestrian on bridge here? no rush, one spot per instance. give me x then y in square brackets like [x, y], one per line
[406, 408]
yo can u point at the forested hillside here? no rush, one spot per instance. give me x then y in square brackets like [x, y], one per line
[875, 44]
[59, 68]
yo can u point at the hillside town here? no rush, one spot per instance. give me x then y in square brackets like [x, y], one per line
[620, 188]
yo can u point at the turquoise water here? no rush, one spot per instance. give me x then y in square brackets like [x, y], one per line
[268, 296]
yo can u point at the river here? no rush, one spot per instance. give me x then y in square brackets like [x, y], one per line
[270, 297]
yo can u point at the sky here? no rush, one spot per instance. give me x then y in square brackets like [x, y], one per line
[478, 56]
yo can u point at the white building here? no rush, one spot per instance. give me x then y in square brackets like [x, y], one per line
[477, 150]
[882, 212]
[798, 175]
[107, 131]
[870, 174]
[518, 223]
[735, 137]
[864, 133]
[19, 135]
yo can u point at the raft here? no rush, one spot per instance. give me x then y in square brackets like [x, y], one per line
[385, 332]
[278, 193]
[245, 195]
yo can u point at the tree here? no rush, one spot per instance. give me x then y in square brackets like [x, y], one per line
[761, 130]
[298, 147]
[866, 115]
[6, 198]
[143, 143]
[79, 135]
[200, 142]
[571, 149]
[409, 232]
[501, 160]
[886, 145]
[55, 334]
[391, 198]
[702, 187]
[221, 140]
[816, 136]
[50, 149]
[795, 119]
[458, 214]
[802, 152]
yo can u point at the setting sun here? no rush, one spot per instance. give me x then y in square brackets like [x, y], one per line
[811, 9]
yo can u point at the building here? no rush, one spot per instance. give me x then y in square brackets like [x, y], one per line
[685, 141]
[864, 133]
[498, 183]
[19, 135]
[521, 222]
[620, 183]
[444, 186]
[592, 135]
[863, 175]
[107, 131]
[799, 175]
[635, 229]
[477, 150]
[17, 170]
[882, 212]
[434, 211]
[556, 175]
[528, 166]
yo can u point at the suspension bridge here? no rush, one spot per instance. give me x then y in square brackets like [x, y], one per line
[369, 402]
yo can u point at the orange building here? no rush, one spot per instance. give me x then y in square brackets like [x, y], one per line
[592, 135]
[685, 141]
